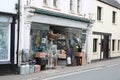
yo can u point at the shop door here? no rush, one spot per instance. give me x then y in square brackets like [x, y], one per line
[105, 46]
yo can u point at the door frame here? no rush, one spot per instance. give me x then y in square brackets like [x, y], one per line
[102, 56]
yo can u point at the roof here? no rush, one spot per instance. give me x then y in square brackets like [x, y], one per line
[61, 15]
[113, 3]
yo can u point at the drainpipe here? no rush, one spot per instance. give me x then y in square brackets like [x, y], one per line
[18, 13]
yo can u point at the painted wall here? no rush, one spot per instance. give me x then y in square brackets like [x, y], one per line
[8, 6]
[105, 25]
[63, 6]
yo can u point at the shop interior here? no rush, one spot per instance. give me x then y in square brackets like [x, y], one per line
[48, 44]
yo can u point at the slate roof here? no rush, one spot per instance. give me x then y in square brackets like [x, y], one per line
[113, 3]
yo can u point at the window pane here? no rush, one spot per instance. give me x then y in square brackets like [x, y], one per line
[94, 45]
[118, 45]
[78, 6]
[113, 45]
[99, 13]
[45, 1]
[55, 3]
[113, 17]
[4, 43]
[71, 5]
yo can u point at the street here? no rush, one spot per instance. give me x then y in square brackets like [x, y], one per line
[109, 72]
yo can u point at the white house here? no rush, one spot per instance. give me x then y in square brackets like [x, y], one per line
[8, 33]
[105, 42]
[39, 17]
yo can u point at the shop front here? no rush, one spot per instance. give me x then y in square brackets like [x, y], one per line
[7, 42]
[55, 37]
[55, 43]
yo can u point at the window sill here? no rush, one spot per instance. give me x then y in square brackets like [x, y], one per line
[79, 14]
[54, 8]
[45, 5]
[95, 53]
[71, 12]
[114, 24]
[100, 21]
[114, 51]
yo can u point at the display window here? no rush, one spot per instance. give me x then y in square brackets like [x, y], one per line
[39, 40]
[4, 43]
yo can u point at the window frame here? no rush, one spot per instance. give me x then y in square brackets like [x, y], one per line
[71, 5]
[55, 3]
[78, 6]
[99, 13]
[113, 17]
[95, 44]
[113, 45]
[8, 29]
[118, 45]
[45, 2]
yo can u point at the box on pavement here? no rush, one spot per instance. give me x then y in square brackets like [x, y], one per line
[40, 54]
[81, 54]
[83, 59]
[37, 68]
[31, 68]
[24, 69]
[62, 54]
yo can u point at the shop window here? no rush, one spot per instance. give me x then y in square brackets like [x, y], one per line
[95, 41]
[39, 40]
[113, 45]
[4, 43]
[99, 13]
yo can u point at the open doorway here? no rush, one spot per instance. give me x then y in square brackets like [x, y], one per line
[105, 43]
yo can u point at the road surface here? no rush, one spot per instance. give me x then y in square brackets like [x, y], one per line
[109, 72]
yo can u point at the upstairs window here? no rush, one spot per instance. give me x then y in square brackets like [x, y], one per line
[71, 5]
[99, 13]
[78, 6]
[45, 2]
[55, 3]
[113, 17]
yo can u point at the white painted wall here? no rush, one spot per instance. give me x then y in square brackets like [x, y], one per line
[106, 25]
[8, 6]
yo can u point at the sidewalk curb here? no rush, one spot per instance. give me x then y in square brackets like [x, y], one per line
[61, 70]
[77, 70]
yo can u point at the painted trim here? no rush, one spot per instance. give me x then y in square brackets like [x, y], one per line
[7, 14]
[102, 33]
[5, 62]
[62, 15]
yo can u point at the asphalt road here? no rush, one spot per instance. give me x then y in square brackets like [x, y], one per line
[110, 72]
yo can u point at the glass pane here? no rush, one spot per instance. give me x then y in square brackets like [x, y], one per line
[39, 40]
[3, 43]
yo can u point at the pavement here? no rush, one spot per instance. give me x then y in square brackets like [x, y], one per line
[60, 70]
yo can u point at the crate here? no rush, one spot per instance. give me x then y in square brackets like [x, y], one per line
[37, 68]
